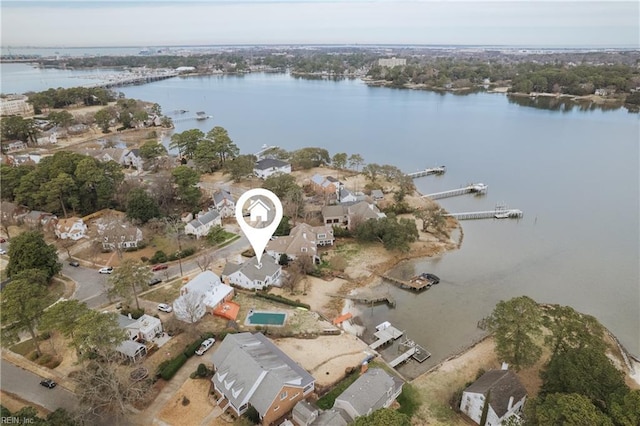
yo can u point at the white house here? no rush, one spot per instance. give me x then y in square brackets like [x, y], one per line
[252, 275]
[116, 233]
[133, 159]
[144, 328]
[501, 389]
[224, 203]
[202, 224]
[203, 293]
[373, 390]
[72, 228]
[269, 166]
[258, 211]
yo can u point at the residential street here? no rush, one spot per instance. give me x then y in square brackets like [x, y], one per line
[27, 386]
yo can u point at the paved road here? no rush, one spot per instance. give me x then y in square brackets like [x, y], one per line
[27, 386]
[91, 286]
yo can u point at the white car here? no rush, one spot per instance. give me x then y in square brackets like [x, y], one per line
[107, 270]
[205, 346]
[165, 308]
[3, 251]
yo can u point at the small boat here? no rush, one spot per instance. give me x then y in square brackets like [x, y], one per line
[201, 115]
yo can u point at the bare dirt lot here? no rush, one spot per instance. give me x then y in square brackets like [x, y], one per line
[178, 411]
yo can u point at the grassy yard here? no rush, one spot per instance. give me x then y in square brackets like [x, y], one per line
[24, 348]
[165, 294]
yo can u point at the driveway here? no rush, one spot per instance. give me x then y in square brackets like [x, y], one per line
[90, 285]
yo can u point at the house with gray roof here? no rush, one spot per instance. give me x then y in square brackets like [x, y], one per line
[251, 371]
[270, 166]
[202, 224]
[224, 203]
[349, 215]
[326, 185]
[303, 240]
[253, 275]
[304, 413]
[501, 389]
[373, 390]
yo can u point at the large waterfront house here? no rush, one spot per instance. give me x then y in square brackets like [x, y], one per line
[202, 224]
[270, 166]
[303, 240]
[251, 371]
[202, 294]
[253, 275]
[349, 215]
[501, 390]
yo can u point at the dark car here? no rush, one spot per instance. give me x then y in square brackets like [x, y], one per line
[159, 267]
[48, 383]
[154, 281]
[2, 240]
[74, 263]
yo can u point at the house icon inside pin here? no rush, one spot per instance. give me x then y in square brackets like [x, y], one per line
[258, 211]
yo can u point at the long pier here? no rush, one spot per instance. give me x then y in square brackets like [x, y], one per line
[474, 188]
[194, 117]
[403, 357]
[490, 214]
[440, 170]
[384, 298]
[124, 80]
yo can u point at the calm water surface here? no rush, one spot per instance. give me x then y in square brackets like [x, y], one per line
[574, 174]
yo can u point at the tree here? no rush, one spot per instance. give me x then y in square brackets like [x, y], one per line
[59, 191]
[23, 302]
[16, 127]
[222, 144]
[355, 161]
[626, 412]
[186, 180]
[572, 330]
[29, 251]
[105, 389]
[339, 160]
[281, 184]
[206, 157]
[104, 117]
[141, 206]
[190, 307]
[204, 261]
[240, 167]
[394, 234]
[307, 158]
[126, 280]
[97, 334]
[586, 371]
[151, 151]
[186, 142]
[383, 417]
[371, 171]
[63, 316]
[61, 118]
[433, 218]
[515, 323]
[565, 409]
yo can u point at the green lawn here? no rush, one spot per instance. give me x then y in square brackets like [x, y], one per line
[24, 348]
[326, 402]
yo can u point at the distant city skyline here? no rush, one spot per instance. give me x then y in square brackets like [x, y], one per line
[227, 22]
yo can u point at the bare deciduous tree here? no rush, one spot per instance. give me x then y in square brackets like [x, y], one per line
[204, 261]
[190, 307]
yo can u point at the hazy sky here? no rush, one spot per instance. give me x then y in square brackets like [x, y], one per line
[159, 23]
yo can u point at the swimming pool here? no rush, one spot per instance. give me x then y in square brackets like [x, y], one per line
[266, 318]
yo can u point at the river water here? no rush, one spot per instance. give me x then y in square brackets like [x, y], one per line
[574, 173]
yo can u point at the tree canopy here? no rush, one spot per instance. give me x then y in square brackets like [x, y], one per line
[29, 251]
[128, 278]
[515, 324]
[383, 417]
[570, 409]
[186, 180]
[306, 158]
[240, 167]
[393, 233]
[141, 206]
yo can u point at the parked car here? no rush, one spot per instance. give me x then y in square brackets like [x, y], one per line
[205, 346]
[154, 281]
[3, 240]
[164, 307]
[159, 267]
[48, 383]
[3, 251]
[74, 263]
[107, 270]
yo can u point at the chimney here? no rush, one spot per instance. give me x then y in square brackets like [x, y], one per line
[130, 317]
[505, 366]
[510, 403]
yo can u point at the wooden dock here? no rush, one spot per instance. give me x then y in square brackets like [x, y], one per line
[403, 357]
[490, 214]
[426, 172]
[385, 336]
[474, 188]
[415, 284]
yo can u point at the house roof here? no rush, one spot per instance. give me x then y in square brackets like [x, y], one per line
[503, 385]
[250, 268]
[333, 417]
[333, 211]
[114, 231]
[204, 219]
[369, 392]
[251, 369]
[365, 211]
[65, 225]
[209, 284]
[124, 321]
[304, 410]
[268, 163]
[377, 193]
[222, 195]
[130, 348]
[302, 237]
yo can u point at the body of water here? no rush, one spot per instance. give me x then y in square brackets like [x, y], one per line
[573, 173]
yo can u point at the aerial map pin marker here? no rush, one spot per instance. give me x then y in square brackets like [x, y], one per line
[259, 214]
